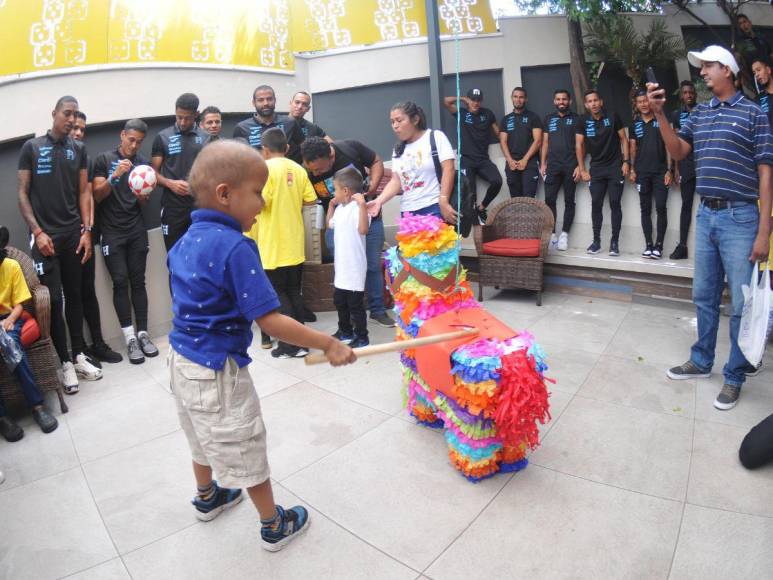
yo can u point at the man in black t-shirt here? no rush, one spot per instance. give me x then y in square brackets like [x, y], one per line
[99, 350]
[604, 138]
[520, 137]
[650, 172]
[322, 160]
[764, 83]
[300, 104]
[559, 162]
[478, 125]
[174, 151]
[684, 170]
[265, 117]
[749, 47]
[55, 201]
[124, 238]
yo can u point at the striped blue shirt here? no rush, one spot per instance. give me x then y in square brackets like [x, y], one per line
[729, 139]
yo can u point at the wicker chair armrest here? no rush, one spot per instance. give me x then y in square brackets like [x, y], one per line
[41, 299]
[477, 237]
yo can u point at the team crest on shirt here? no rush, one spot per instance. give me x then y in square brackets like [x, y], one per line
[524, 120]
[569, 122]
[70, 154]
[607, 122]
[175, 146]
[197, 140]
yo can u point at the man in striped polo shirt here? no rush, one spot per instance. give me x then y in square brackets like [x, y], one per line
[733, 148]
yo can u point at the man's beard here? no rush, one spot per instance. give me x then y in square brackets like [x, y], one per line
[562, 108]
[266, 111]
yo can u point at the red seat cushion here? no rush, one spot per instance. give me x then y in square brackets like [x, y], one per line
[510, 247]
[30, 331]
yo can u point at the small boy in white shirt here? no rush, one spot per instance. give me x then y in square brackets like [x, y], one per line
[348, 217]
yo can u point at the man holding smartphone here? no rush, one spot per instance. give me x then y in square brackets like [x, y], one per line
[731, 139]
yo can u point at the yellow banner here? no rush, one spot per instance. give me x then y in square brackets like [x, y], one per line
[40, 35]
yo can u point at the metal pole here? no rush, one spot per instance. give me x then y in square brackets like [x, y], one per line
[435, 63]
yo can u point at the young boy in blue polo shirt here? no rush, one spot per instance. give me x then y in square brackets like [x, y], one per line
[218, 289]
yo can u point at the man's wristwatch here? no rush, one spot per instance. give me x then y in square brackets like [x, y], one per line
[85, 229]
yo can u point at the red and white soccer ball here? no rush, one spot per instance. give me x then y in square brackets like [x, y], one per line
[142, 180]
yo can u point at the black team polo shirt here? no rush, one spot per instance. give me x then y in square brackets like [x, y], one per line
[179, 151]
[119, 212]
[650, 149]
[475, 129]
[307, 129]
[55, 181]
[251, 130]
[349, 153]
[601, 139]
[686, 165]
[765, 101]
[561, 141]
[520, 137]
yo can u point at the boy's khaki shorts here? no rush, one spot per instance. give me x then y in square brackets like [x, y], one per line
[220, 414]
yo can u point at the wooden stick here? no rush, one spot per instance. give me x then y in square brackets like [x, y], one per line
[398, 345]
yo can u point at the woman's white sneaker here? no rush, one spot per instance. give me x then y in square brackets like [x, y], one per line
[85, 370]
[69, 378]
[563, 242]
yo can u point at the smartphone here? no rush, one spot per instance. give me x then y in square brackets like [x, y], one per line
[651, 78]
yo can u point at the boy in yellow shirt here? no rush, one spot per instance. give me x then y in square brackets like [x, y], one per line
[13, 293]
[279, 232]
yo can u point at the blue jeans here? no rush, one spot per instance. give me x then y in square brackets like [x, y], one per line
[23, 373]
[723, 243]
[433, 209]
[374, 250]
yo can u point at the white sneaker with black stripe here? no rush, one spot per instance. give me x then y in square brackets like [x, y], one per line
[85, 370]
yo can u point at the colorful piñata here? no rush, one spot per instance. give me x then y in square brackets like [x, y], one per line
[488, 393]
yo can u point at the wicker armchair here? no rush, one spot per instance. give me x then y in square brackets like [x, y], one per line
[518, 218]
[41, 355]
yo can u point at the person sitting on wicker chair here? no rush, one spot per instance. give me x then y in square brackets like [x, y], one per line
[13, 292]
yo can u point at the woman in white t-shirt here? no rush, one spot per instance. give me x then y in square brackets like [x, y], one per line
[413, 170]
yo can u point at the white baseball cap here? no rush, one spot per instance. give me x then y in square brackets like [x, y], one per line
[713, 53]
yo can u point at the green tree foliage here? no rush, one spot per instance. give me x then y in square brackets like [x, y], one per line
[613, 40]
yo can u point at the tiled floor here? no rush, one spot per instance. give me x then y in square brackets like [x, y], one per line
[637, 477]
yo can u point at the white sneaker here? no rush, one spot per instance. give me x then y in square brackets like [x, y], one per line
[553, 242]
[563, 242]
[85, 369]
[69, 378]
[2, 477]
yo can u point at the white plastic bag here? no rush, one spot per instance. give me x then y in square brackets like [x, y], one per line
[754, 320]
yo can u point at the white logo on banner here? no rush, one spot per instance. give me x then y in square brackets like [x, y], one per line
[55, 32]
[393, 22]
[325, 15]
[457, 16]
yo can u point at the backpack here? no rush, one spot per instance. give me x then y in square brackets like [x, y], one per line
[466, 208]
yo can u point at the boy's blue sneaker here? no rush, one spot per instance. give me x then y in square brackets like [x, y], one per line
[359, 341]
[343, 337]
[292, 523]
[221, 500]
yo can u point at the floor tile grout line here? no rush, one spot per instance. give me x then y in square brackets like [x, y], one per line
[157, 437]
[97, 565]
[164, 537]
[729, 511]
[93, 499]
[347, 530]
[624, 406]
[686, 489]
[472, 522]
[607, 484]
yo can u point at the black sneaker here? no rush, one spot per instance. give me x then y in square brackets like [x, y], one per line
[10, 430]
[657, 252]
[727, 397]
[482, 216]
[135, 352]
[614, 248]
[359, 341]
[594, 248]
[146, 345]
[647, 253]
[754, 371]
[280, 352]
[679, 253]
[221, 500]
[308, 315]
[383, 319]
[687, 371]
[101, 351]
[265, 341]
[45, 420]
[343, 336]
[292, 523]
